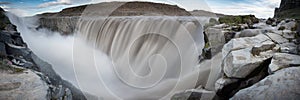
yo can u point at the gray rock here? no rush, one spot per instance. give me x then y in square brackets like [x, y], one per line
[288, 48]
[283, 60]
[249, 33]
[222, 82]
[194, 94]
[241, 43]
[240, 63]
[242, 55]
[277, 38]
[282, 85]
[216, 39]
[288, 25]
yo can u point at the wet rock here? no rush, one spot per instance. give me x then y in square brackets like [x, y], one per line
[283, 60]
[277, 38]
[282, 85]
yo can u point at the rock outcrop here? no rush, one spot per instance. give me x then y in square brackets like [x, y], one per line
[24, 75]
[255, 57]
[288, 9]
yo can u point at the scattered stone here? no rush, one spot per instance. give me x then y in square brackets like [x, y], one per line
[282, 85]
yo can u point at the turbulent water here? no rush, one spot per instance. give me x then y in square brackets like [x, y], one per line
[125, 57]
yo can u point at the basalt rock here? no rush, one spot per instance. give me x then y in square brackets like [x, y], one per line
[288, 9]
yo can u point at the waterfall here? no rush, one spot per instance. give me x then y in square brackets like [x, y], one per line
[145, 57]
[146, 52]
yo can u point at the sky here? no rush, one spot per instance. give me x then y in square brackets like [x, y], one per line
[259, 8]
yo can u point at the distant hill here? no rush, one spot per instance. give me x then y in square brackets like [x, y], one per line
[288, 9]
[125, 9]
[206, 13]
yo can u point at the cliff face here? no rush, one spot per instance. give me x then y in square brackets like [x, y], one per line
[23, 74]
[288, 9]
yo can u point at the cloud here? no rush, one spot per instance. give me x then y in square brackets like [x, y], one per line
[259, 8]
[54, 3]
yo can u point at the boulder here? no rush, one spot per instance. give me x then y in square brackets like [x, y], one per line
[216, 39]
[282, 85]
[240, 63]
[290, 48]
[228, 36]
[249, 33]
[287, 24]
[241, 56]
[277, 38]
[241, 43]
[283, 60]
[222, 82]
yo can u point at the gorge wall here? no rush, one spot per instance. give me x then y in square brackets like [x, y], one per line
[23, 74]
[288, 9]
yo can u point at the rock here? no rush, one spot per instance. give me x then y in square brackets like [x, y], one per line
[249, 32]
[216, 39]
[288, 25]
[23, 85]
[2, 50]
[194, 94]
[277, 38]
[271, 21]
[283, 60]
[241, 43]
[242, 55]
[240, 63]
[290, 48]
[282, 85]
[228, 36]
[222, 82]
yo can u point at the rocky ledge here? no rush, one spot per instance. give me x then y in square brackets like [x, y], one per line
[259, 60]
[24, 75]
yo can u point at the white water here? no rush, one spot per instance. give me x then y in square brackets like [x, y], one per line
[124, 57]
